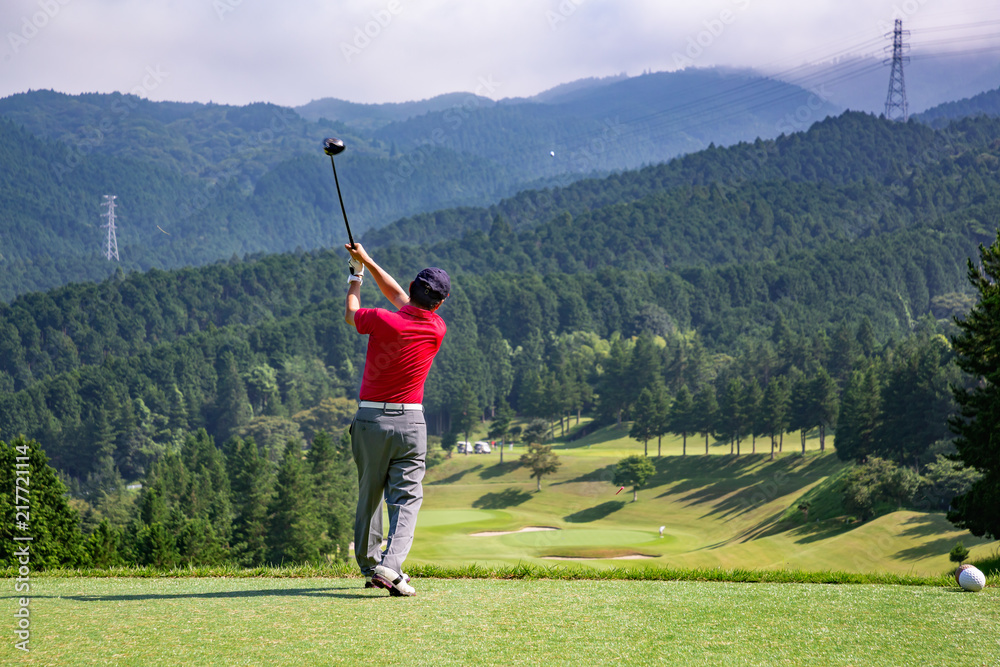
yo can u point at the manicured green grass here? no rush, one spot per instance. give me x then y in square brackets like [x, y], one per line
[254, 621]
[718, 511]
[740, 577]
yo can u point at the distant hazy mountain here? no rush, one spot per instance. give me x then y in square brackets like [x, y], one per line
[200, 182]
[616, 123]
[987, 104]
[557, 94]
[931, 79]
[371, 116]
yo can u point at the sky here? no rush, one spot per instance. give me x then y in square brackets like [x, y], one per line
[376, 51]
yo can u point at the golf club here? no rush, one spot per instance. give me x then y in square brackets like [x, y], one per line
[332, 146]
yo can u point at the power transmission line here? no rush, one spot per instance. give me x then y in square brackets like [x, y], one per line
[111, 249]
[895, 99]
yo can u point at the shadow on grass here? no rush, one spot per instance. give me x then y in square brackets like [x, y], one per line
[932, 548]
[498, 469]
[925, 524]
[594, 513]
[814, 532]
[744, 483]
[605, 474]
[349, 592]
[497, 501]
[457, 476]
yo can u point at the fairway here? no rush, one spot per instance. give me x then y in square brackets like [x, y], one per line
[717, 510]
[215, 621]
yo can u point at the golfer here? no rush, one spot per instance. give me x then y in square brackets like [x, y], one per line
[389, 434]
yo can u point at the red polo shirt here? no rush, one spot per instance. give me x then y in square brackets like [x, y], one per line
[401, 349]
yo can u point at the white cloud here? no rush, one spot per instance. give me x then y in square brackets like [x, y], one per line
[239, 51]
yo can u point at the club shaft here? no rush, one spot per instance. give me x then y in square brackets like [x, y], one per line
[341, 198]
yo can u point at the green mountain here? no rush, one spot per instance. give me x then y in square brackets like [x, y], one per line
[985, 103]
[613, 124]
[201, 182]
[845, 152]
[858, 229]
[372, 116]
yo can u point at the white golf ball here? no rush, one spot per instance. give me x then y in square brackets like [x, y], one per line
[552, 153]
[972, 579]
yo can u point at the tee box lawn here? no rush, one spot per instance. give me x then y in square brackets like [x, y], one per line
[566, 595]
[335, 621]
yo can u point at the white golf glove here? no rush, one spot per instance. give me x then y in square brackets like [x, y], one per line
[357, 267]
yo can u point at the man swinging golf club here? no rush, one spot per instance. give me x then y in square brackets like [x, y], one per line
[389, 434]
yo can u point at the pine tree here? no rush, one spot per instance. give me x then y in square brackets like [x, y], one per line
[801, 418]
[105, 546]
[979, 421]
[208, 494]
[36, 508]
[232, 405]
[336, 489]
[774, 410]
[646, 419]
[156, 546]
[752, 399]
[824, 401]
[295, 530]
[732, 413]
[614, 385]
[251, 484]
[706, 411]
[644, 366]
[682, 421]
[500, 425]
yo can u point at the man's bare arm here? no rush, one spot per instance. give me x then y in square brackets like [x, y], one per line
[386, 283]
[353, 302]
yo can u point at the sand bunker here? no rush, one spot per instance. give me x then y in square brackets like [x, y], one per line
[627, 557]
[526, 529]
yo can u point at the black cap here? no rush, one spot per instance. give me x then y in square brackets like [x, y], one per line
[435, 282]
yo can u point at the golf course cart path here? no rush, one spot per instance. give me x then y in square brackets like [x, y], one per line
[526, 529]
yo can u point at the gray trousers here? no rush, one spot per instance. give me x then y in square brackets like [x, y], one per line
[390, 450]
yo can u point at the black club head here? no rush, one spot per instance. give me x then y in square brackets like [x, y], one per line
[332, 146]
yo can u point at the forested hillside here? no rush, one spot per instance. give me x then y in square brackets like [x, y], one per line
[201, 182]
[811, 243]
[983, 104]
[616, 124]
[800, 285]
[872, 173]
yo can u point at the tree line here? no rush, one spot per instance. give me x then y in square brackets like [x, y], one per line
[200, 504]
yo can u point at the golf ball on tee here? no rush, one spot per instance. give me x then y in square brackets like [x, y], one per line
[971, 578]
